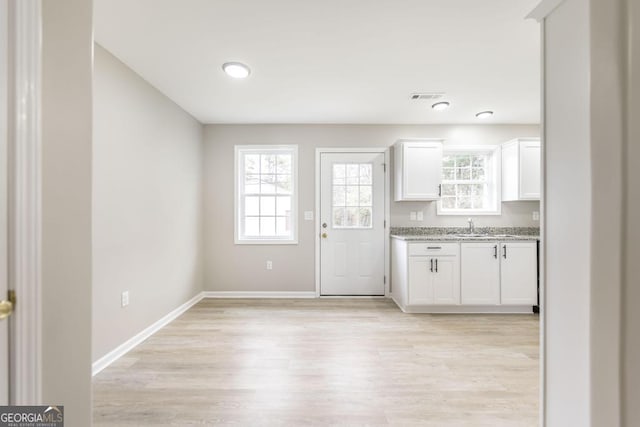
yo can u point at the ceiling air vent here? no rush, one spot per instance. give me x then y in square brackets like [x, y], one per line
[426, 96]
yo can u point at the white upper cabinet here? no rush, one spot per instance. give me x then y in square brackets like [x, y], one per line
[521, 169]
[418, 169]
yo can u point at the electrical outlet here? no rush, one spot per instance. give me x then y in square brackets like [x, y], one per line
[124, 299]
[536, 216]
[269, 265]
[412, 216]
[420, 216]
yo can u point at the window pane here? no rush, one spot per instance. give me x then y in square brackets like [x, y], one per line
[464, 189]
[268, 163]
[339, 173]
[267, 226]
[448, 189]
[352, 195]
[448, 173]
[282, 226]
[284, 184]
[464, 202]
[478, 202]
[463, 161]
[463, 173]
[283, 206]
[351, 217]
[449, 202]
[448, 161]
[339, 195]
[477, 174]
[478, 161]
[251, 163]
[365, 195]
[284, 164]
[365, 173]
[252, 184]
[252, 205]
[267, 206]
[338, 217]
[353, 174]
[268, 184]
[252, 226]
[477, 189]
[365, 217]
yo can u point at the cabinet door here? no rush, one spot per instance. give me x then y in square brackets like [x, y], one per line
[446, 280]
[519, 273]
[530, 170]
[420, 280]
[421, 170]
[480, 273]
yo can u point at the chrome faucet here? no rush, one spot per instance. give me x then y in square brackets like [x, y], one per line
[472, 227]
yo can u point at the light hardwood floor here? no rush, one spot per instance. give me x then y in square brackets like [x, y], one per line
[325, 362]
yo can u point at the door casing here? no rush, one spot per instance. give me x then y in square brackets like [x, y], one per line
[387, 211]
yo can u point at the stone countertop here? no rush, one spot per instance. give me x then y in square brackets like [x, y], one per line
[456, 238]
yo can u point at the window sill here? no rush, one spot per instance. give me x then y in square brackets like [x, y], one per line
[265, 242]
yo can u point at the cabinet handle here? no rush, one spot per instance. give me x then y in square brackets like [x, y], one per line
[439, 190]
[495, 251]
[434, 247]
[504, 253]
[432, 265]
[436, 265]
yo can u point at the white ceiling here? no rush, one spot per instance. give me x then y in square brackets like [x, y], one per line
[332, 61]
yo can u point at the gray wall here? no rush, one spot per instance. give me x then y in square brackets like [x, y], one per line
[230, 267]
[147, 204]
[67, 45]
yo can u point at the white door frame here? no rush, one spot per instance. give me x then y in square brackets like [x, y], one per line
[24, 181]
[387, 208]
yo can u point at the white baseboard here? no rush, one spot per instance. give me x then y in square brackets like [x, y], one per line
[132, 342]
[233, 294]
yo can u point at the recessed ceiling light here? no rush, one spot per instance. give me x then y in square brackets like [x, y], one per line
[484, 114]
[439, 106]
[237, 70]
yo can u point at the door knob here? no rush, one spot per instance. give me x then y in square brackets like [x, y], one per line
[6, 308]
[324, 225]
[324, 235]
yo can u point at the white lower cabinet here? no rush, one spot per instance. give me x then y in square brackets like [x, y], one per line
[434, 280]
[499, 273]
[480, 273]
[464, 277]
[519, 273]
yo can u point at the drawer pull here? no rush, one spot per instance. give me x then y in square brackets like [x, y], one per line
[434, 247]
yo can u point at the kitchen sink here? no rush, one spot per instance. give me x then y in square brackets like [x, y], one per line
[472, 235]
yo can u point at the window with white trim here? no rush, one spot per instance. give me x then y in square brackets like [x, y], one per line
[266, 193]
[470, 181]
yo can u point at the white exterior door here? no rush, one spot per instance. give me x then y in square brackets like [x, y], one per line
[4, 324]
[352, 194]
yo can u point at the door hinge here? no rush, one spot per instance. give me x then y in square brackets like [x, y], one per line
[384, 167]
[385, 223]
[384, 280]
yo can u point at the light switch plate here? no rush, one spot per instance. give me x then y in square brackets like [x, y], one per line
[308, 215]
[412, 216]
[536, 216]
[124, 299]
[420, 216]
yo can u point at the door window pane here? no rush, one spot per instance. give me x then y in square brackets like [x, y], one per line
[352, 195]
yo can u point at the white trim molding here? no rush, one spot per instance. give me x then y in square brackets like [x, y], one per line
[267, 294]
[25, 46]
[544, 9]
[137, 339]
